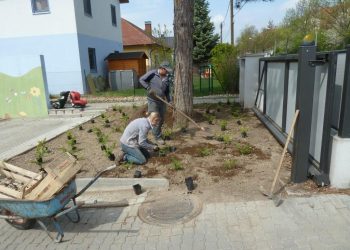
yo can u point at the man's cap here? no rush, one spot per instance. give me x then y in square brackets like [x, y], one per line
[165, 65]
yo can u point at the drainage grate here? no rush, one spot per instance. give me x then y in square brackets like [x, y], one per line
[170, 210]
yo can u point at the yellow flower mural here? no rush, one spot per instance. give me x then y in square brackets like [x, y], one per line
[34, 91]
[22, 113]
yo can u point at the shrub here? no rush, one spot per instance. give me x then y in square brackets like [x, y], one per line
[244, 149]
[223, 125]
[40, 151]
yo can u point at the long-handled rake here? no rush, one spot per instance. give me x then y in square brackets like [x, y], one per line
[271, 195]
[152, 93]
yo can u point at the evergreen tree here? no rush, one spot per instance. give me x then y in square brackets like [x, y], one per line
[204, 39]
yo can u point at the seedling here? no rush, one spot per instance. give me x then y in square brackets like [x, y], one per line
[90, 130]
[40, 152]
[166, 150]
[230, 164]
[69, 135]
[205, 152]
[106, 121]
[81, 127]
[210, 119]
[176, 164]
[103, 139]
[167, 133]
[92, 121]
[244, 132]
[97, 131]
[109, 152]
[103, 116]
[227, 139]
[134, 106]
[244, 149]
[114, 108]
[223, 125]
[71, 143]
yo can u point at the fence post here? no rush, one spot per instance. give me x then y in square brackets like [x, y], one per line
[304, 102]
[344, 122]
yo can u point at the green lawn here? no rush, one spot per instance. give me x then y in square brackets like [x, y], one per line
[197, 90]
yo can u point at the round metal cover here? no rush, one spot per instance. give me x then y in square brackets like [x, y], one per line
[170, 210]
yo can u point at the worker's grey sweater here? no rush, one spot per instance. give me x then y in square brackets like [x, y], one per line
[135, 134]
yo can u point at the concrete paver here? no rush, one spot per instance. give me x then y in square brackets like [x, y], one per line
[284, 227]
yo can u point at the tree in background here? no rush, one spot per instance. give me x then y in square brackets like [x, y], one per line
[327, 20]
[225, 64]
[164, 52]
[183, 30]
[204, 39]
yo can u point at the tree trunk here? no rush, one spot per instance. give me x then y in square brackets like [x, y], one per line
[183, 30]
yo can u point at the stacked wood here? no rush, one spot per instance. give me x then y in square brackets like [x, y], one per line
[38, 186]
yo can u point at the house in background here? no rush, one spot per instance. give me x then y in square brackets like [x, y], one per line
[136, 39]
[127, 61]
[73, 36]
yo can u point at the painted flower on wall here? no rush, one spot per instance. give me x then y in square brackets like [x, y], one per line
[34, 91]
[22, 113]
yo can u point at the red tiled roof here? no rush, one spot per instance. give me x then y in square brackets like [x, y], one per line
[133, 35]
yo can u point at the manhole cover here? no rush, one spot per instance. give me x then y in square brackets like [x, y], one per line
[170, 210]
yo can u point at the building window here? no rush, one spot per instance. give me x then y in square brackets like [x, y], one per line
[114, 15]
[87, 7]
[92, 59]
[40, 6]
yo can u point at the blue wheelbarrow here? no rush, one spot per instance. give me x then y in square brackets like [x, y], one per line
[23, 214]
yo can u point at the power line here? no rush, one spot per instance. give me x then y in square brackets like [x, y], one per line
[228, 7]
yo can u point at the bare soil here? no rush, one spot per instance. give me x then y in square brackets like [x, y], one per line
[220, 169]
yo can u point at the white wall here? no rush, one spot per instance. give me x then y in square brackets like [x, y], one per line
[17, 19]
[100, 24]
[340, 169]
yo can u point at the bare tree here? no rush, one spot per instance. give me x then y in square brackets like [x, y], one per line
[183, 31]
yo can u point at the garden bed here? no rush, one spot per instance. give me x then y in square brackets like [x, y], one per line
[228, 164]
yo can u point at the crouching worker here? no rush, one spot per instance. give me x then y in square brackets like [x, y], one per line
[134, 143]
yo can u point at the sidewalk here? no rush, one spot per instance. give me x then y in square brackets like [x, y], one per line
[320, 222]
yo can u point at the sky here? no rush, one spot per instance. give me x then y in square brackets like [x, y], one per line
[253, 13]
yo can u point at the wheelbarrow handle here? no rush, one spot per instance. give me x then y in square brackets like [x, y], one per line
[98, 175]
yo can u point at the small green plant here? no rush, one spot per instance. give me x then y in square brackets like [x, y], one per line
[223, 125]
[205, 152]
[97, 132]
[71, 144]
[227, 139]
[69, 135]
[106, 123]
[81, 127]
[90, 130]
[124, 118]
[244, 149]
[230, 164]
[103, 116]
[176, 164]
[134, 106]
[244, 131]
[114, 107]
[109, 152]
[40, 151]
[167, 133]
[103, 139]
[210, 119]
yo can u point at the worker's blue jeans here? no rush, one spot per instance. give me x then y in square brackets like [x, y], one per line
[159, 107]
[135, 155]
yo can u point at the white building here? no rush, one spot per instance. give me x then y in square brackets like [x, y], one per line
[73, 35]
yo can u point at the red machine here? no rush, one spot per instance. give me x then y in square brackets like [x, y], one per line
[76, 100]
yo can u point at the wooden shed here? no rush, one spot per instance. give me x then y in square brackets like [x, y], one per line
[126, 61]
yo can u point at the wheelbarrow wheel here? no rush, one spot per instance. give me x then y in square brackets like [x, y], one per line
[21, 224]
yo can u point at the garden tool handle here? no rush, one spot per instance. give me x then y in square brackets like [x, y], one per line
[94, 179]
[284, 150]
[173, 107]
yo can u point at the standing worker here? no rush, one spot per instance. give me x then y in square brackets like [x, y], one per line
[134, 143]
[157, 82]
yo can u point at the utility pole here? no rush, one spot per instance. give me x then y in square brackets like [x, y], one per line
[221, 32]
[232, 23]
